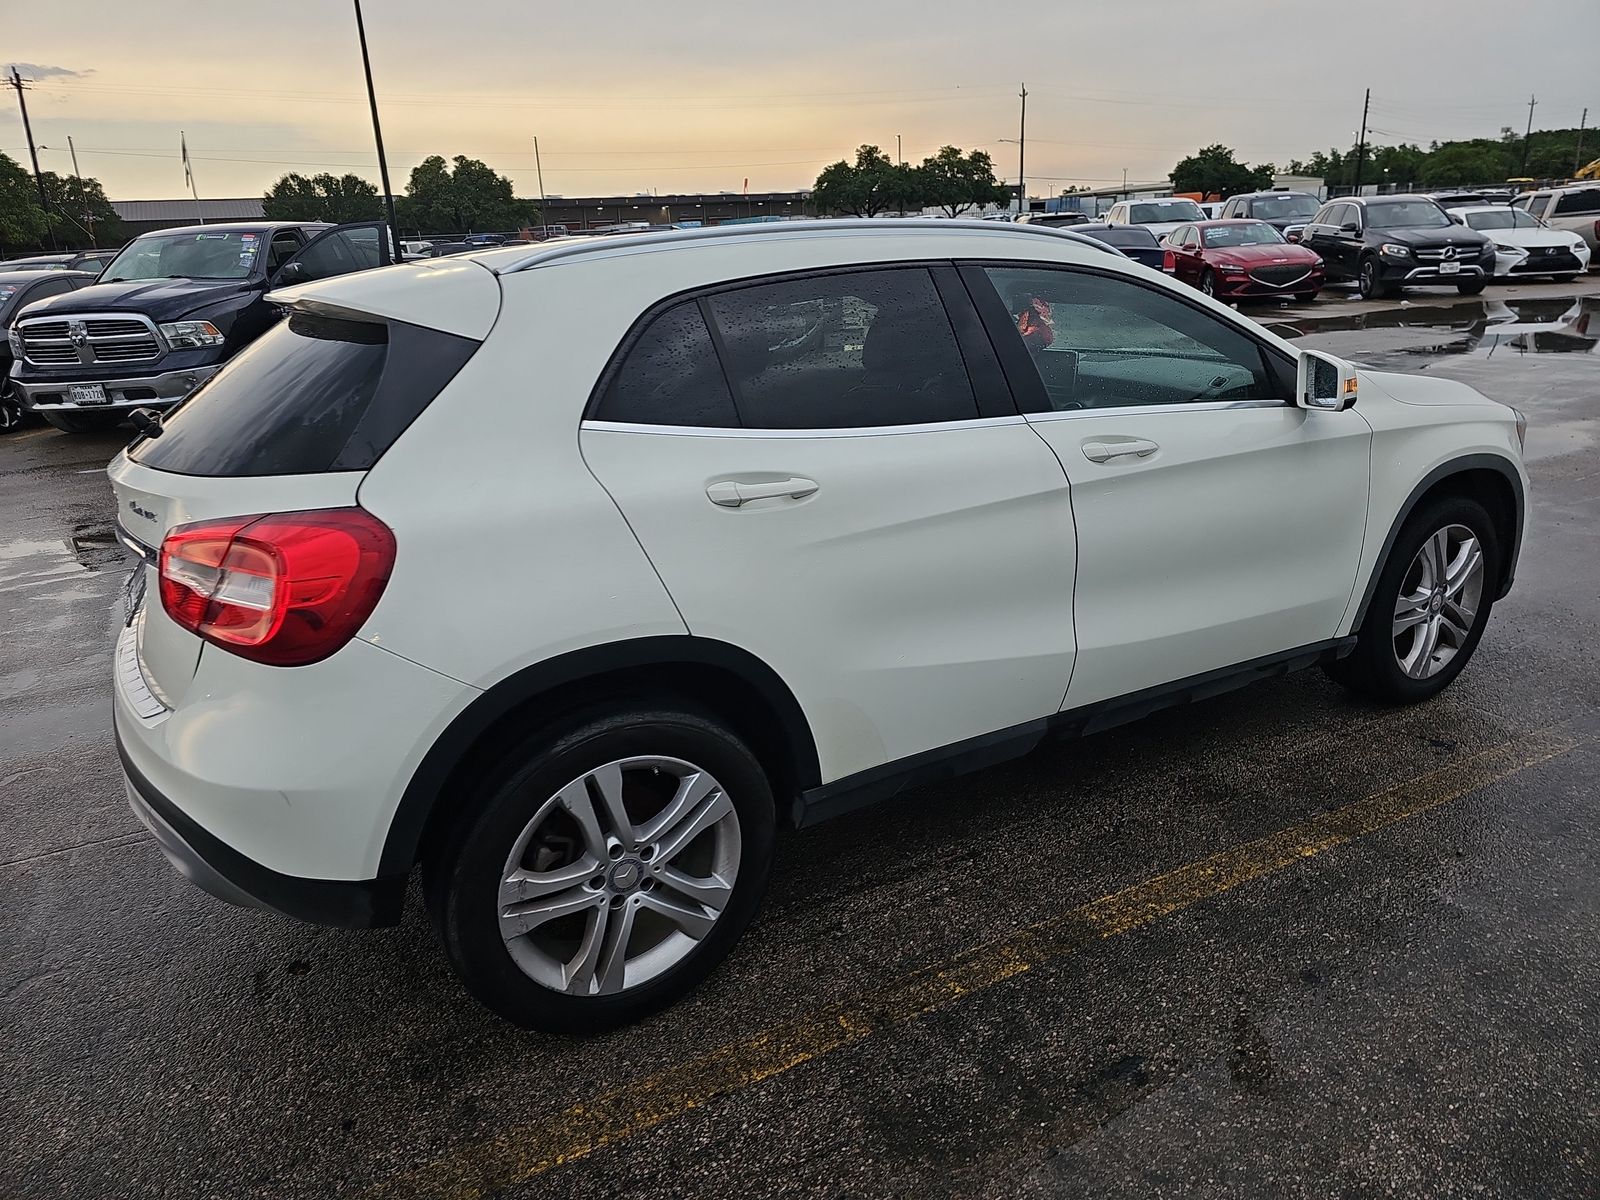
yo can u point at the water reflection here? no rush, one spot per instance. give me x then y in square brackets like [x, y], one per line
[1556, 325]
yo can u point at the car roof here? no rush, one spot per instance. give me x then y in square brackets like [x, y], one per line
[1207, 224]
[7, 278]
[1472, 208]
[1385, 199]
[241, 227]
[1269, 193]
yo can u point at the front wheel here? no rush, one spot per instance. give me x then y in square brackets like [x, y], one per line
[83, 422]
[1370, 282]
[1304, 297]
[11, 414]
[1429, 607]
[1208, 283]
[1472, 288]
[606, 868]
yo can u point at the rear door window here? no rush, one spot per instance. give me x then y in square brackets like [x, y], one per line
[312, 394]
[1578, 203]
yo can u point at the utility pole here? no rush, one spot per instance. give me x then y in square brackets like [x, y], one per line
[38, 179]
[377, 131]
[1361, 143]
[1124, 183]
[544, 221]
[1577, 155]
[1022, 150]
[87, 212]
[1527, 138]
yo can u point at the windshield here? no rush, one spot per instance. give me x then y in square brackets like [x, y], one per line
[1502, 218]
[195, 254]
[1406, 214]
[1284, 208]
[1165, 210]
[1252, 233]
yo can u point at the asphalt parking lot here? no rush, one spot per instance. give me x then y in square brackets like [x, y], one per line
[1280, 943]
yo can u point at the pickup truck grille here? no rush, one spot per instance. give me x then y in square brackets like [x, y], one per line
[88, 339]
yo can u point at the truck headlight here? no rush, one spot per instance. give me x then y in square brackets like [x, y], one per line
[15, 338]
[189, 335]
[1394, 248]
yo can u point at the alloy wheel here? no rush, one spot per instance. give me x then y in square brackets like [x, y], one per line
[10, 416]
[1440, 596]
[619, 875]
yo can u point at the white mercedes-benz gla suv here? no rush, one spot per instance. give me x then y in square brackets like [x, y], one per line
[569, 574]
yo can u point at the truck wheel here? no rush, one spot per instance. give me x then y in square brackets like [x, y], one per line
[605, 868]
[83, 422]
[11, 414]
[1429, 607]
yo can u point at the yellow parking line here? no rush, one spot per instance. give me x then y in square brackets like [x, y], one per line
[530, 1150]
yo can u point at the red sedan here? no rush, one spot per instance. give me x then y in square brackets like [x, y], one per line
[1239, 259]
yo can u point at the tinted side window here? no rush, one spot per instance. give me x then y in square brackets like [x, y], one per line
[1103, 342]
[670, 376]
[843, 351]
[50, 287]
[1579, 203]
[312, 394]
[1538, 205]
[340, 253]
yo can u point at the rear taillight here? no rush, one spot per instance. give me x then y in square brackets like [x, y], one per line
[285, 588]
[1597, 231]
[1169, 263]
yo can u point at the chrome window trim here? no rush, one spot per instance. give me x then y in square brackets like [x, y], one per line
[863, 431]
[1144, 410]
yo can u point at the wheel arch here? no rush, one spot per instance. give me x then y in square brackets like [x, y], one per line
[729, 682]
[1490, 479]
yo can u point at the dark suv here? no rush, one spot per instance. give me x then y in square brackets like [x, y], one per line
[1386, 243]
[168, 311]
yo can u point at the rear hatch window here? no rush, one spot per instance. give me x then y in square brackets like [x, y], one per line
[312, 394]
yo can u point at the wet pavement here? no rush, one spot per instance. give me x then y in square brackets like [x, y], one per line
[1280, 943]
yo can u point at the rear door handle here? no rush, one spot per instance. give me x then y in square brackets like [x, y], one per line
[731, 493]
[1105, 451]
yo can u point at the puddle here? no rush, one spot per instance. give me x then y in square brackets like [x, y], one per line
[95, 546]
[1528, 325]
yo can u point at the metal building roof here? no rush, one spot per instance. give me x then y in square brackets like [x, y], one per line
[245, 209]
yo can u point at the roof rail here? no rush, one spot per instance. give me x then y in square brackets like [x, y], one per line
[855, 225]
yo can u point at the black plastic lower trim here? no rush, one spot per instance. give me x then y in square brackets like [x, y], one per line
[204, 858]
[879, 783]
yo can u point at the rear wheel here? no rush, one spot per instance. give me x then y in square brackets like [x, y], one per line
[1429, 607]
[1473, 287]
[83, 422]
[606, 869]
[1370, 282]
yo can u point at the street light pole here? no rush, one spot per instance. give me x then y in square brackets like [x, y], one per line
[377, 132]
[544, 221]
[1022, 149]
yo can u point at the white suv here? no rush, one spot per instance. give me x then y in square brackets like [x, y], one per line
[569, 573]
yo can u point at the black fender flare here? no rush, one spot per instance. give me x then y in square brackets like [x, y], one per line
[1455, 466]
[451, 747]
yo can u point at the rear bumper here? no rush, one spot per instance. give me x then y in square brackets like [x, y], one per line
[140, 391]
[228, 875]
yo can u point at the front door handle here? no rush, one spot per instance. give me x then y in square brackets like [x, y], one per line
[731, 493]
[1105, 451]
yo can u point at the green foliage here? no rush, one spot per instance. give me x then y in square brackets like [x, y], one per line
[322, 197]
[80, 214]
[957, 182]
[1213, 170]
[469, 198]
[869, 186]
[21, 221]
[1458, 164]
[1473, 161]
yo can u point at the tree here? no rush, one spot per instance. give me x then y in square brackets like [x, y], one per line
[870, 186]
[80, 214]
[956, 182]
[1213, 170]
[322, 197]
[22, 222]
[1457, 163]
[470, 197]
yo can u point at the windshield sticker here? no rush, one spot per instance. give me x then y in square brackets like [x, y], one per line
[6, 293]
[247, 237]
[210, 237]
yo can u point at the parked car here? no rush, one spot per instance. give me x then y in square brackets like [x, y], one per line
[1281, 210]
[169, 310]
[39, 262]
[1386, 243]
[1158, 216]
[416, 249]
[1525, 245]
[1055, 220]
[1453, 200]
[1135, 241]
[1242, 259]
[1575, 208]
[480, 240]
[92, 260]
[18, 289]
[806, 512]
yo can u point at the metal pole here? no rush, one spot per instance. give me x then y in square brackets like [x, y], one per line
[1022, 146]
[1361, 143]
[1527, 138]
[377, 132]
[899, 155]
[1124, 183]
[38, 177]
[89, 216]
[1577, 154]
[544, 221]
[188, 170]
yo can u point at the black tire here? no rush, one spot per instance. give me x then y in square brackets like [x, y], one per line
[83, 422]
[462, 880]
[11, 414]
[1373, 668]
[1370, 283]
[1208, 283]
[1304, 297]
[1472, 287]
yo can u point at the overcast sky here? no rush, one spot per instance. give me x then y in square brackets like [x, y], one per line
[632, 95]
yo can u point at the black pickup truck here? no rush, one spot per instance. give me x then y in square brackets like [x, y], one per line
[168, 311]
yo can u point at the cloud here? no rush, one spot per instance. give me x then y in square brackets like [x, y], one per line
[37, 71]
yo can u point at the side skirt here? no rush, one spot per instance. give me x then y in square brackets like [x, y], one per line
[946, 762]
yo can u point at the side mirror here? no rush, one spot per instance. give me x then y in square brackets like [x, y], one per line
[1324, 382]
[291, 272]
[1349, 227]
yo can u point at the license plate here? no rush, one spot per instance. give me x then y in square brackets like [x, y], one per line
[1449, 268]
[89, 393]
